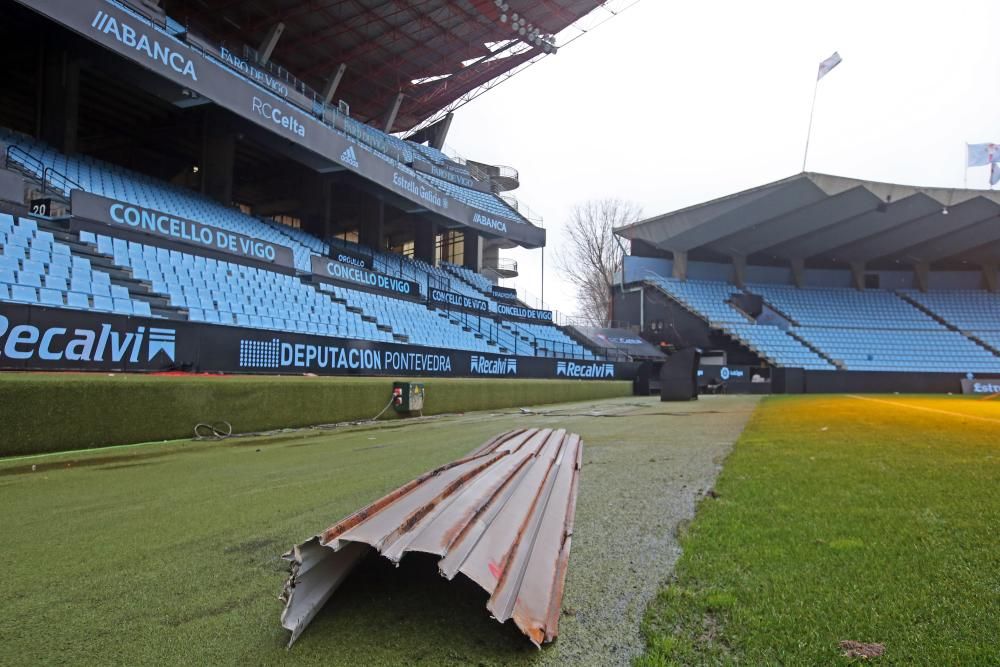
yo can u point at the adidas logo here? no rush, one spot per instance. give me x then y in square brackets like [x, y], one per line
[348, 157]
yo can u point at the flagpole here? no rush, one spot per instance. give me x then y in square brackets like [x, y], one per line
[965, 177]
[812, 110]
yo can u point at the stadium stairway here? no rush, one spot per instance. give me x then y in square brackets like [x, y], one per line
[711, 303]
[138, 290]
[946, 323]
[818, 352]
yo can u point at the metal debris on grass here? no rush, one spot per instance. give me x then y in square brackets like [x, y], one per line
[502, 516]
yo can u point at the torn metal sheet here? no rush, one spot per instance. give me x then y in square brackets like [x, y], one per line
[502, 516]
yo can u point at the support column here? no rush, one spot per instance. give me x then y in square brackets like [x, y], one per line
[391, 118]
[799, 271]
[330, 89]
[218, 153]
[270, 41]
[490, 256]
[473, 253]
[858, 275]
[921, 272]
[440, 131]
[372, 230]
[739, 270]
[680, 264]
[59, 111]
[990, 277]
[423, 241]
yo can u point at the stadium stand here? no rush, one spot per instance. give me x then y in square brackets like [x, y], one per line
[179, 278]
[869, 330]
[116, 183]
[36, 269]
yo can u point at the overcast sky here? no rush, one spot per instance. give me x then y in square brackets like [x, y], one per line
[674, 103]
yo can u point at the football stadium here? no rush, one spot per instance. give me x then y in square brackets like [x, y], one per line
[273, 391]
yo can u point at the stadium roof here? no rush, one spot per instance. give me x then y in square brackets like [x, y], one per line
[432, 51]
[832, 220]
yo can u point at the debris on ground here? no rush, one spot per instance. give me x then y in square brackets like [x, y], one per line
[502, 516]
[853, 649]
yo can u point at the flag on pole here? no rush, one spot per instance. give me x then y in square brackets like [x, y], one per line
[827, 65]
[994, 174]
[983, 154]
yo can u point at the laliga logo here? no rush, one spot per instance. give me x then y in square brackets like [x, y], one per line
[724, 373]
[26, 341]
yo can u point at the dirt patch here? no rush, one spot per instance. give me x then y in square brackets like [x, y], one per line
[88, 462]
[861, 650]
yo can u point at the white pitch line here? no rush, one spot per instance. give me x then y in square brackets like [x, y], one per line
[992, 420]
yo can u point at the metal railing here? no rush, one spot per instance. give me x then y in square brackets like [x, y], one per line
[523, 209]
[61, 181]
[51, 180]
[502, 264]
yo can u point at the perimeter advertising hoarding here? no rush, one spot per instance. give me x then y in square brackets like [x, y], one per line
[460, 301]
[325, 267]
[350, 257]
[135, 38]
[981, 387]
[512, 312]
[115, 213]
[36, 338]
[503, 293]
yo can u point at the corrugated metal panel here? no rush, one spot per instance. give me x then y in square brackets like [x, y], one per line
[502, 516]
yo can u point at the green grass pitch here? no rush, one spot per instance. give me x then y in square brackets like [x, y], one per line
[873, 519]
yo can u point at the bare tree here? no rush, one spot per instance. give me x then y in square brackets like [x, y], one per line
[592, 254]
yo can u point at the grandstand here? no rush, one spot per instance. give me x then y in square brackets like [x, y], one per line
[202, 183]
[824, 275]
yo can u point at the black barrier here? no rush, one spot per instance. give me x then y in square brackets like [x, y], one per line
[733, 374]
[35, 338]
[331, 268]
[134, 38]
[678, 375]
[460, 301]
[881, 382]
[160, 225]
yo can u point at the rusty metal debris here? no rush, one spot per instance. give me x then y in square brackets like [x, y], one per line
[502, 516]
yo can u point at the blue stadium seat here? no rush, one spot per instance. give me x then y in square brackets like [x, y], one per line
[23, 293]
[141, 308]
[77, 300]
[29, 278]
[103, 303]
[50, 297]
